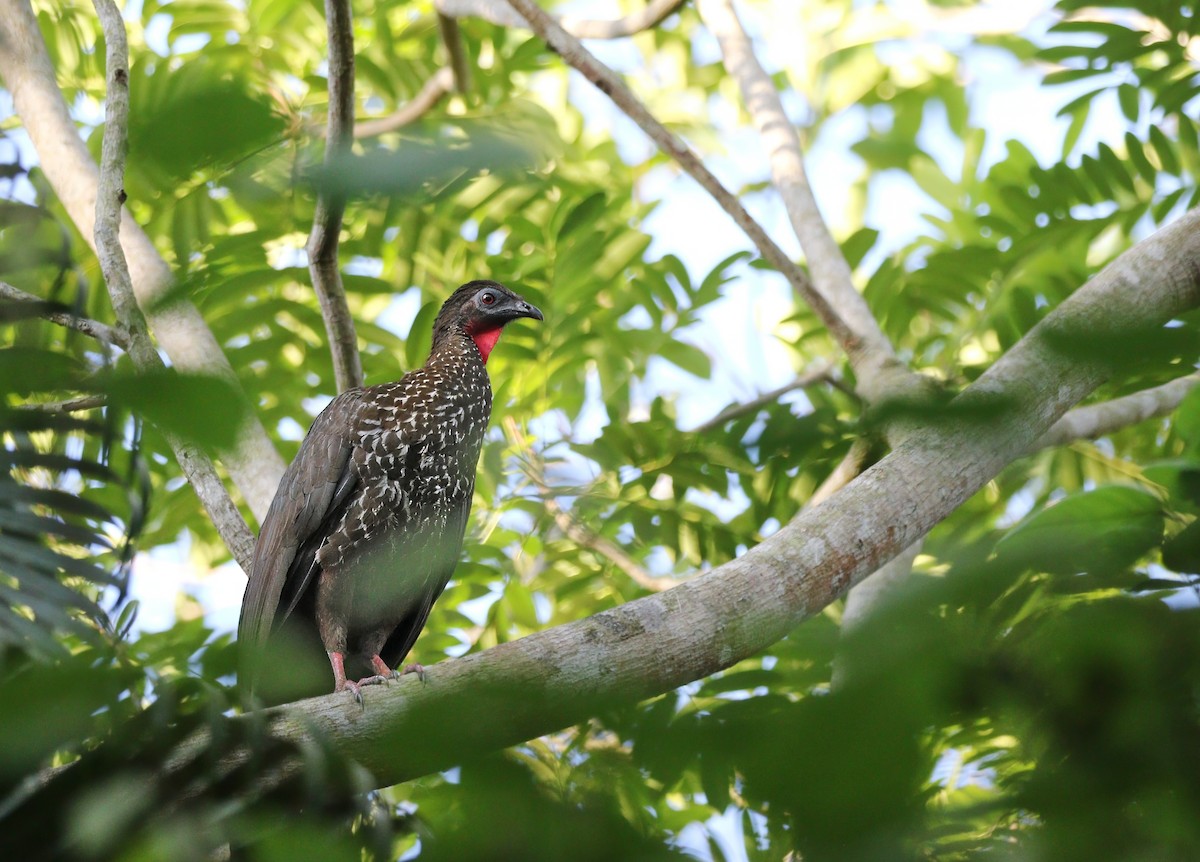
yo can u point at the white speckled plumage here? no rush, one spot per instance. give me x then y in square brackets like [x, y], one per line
[367, 525]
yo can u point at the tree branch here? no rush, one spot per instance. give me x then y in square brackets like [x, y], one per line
[1096, 420]
[570, 49]
[830, 271]
[253, 464]
[434, 90]
[109, 197]
[821, 374]
[499, 12]
[55, 314]
[452, 39]
[645, 647]
[331, 202]
[69, 405]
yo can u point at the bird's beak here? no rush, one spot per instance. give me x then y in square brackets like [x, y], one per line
[521, 308]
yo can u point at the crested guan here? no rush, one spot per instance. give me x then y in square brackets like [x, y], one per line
[368, 521]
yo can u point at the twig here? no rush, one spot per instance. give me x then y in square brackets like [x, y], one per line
[69, 405]
[830, 271]
[577, 532]
[434, 90]
[331, 202]
[570, 49]
[1096, 420]
[109, 197]
[29, 76]
[49, 311]
[822, 374]
[452, 39]
[498, 12]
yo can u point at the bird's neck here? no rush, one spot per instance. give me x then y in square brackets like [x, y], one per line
[459, 342]
[485, 341]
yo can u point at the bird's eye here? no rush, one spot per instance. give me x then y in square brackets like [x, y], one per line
[487, 298]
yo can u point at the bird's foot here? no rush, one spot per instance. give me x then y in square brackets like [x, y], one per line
[355, 689]
[382, 670]
[340, 683]
[418, 669]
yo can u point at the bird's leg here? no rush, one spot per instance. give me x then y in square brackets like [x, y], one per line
[382, 669]
[340, 683]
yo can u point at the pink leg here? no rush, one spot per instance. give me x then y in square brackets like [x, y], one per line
[340, 683]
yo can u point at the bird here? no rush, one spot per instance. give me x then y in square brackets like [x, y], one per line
[368, 521]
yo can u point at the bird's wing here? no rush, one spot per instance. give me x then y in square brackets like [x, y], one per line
[313, 491]
[438, 560]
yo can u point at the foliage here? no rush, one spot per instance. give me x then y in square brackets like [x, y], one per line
[1033, 691]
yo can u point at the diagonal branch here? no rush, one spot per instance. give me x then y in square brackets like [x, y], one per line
[830, 271]
[499, 12]
[331, 202]
[651, 645]
[109, 197]
[434, 90]
[822, 374]
[855, 343]
[25, 67]
[56, 314]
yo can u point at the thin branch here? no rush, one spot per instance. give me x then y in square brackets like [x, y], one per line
[576, 531]
[253, 464]
[109, 197]
[457, 53]
[847, 470]
[830, 271]
[1097, 420]
[55, 314]
[331, 202]
[570, 49]
[433, 91]
[821, 374]
[499, 12]
[69, 405]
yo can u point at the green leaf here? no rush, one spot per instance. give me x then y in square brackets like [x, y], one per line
[691, 359]
[1096, 531]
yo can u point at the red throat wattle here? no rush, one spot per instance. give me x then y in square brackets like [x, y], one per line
[485, 341]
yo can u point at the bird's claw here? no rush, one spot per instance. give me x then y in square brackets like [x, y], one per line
[418, 669]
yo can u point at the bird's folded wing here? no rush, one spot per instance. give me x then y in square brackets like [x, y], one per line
[312, 490]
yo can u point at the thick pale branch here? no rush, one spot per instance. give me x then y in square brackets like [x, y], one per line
[573, 52]
[109, 198]
[331, 203]
[554, 678]
[434, 90]
[828, 266]
[54, 314]
[25, 67]
[499, 12]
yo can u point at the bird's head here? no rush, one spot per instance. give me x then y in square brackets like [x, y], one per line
[480, 309]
